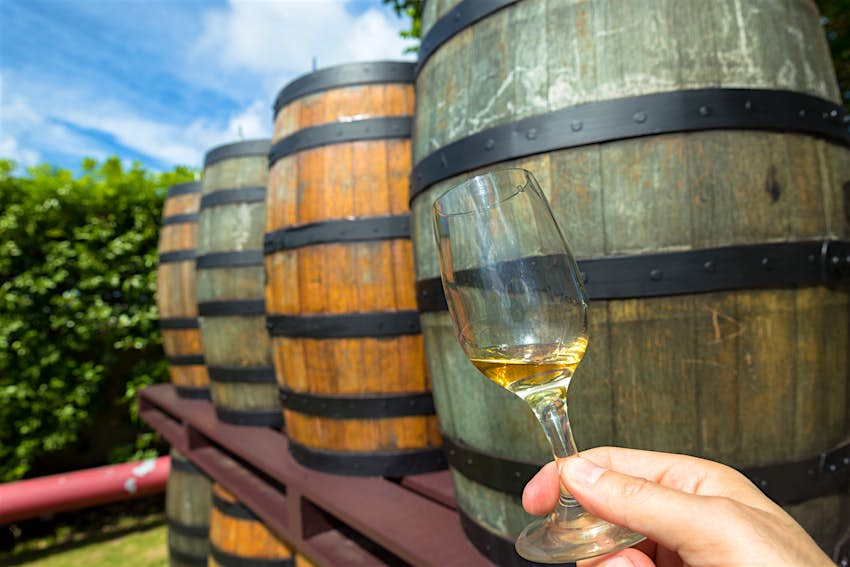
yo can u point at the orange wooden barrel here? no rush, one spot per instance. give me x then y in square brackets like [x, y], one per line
[175, 292]
[340, 299]
[238, 538]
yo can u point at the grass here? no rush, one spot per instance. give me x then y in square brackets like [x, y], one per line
[126, 534]
[145, 548]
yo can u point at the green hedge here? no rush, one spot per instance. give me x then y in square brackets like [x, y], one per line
[78, 320]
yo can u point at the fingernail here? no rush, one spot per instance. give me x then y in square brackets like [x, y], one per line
[582, 471]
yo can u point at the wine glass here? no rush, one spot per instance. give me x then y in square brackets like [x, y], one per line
[519, 310]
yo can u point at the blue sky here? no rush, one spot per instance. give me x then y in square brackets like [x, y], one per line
[162, 81]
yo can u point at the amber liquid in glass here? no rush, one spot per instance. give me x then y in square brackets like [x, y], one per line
[526, 370]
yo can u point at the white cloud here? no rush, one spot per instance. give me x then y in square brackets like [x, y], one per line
[42, 117]
[246, 52]
[277, 41]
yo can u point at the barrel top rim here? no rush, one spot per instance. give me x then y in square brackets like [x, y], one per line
[346, 74]
[243, 148]
[184, 188]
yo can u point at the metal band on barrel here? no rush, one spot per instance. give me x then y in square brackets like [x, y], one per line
[375, 324]
[498, 549]
[255, 194]
[391, 464]
[634, 117]
[193, 393]
[178, 323]
[180, 219]
[338, 230]
[749, 266]
[184, 189]
[234, 308]
[233, 509]
[242, 374]
[786, 483]
[254, 418]
[185, 558]
[179, 527]
[177, 256]
[455, 21]
[339, 132]
[237, 150]
[185, 360]
[346, 75]
[225, 559]
[347, 406]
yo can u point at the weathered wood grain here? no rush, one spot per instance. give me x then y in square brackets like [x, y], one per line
[747, 378]
[244, 538]
[187, 502]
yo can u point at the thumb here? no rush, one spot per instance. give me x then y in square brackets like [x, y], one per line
[669, 517]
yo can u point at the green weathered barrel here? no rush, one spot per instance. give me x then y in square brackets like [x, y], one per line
[187, 510]
[696, 158]
[230, 283]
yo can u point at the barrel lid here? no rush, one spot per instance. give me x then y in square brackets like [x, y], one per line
[184, 189]
[345, 75]
[258, 147]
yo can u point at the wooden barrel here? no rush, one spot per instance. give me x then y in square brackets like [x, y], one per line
[238, 538]
[187, 511]
[230, 284]
[175, 291]
[341, 305]
[696, 159]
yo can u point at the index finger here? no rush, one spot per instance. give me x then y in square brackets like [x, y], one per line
[681, 472]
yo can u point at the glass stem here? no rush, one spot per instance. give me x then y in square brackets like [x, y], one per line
[550, 407]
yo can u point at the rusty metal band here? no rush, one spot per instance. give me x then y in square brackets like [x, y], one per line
[349, 325]
[254, 194]
[347, 75]
[786, 483]
[180, 557]
[238, 259]
[184, 189]
[392, 464]
[347, 406]
[242, 374]
[756, 266]
[193, 393]
[237, 150]
[455, 21]
[361, 229]
[179, 527]
[382, 128]
[185, 360]
[178, 323]
[253, 418]
[185, 466]
[233, 509]
[180, 219]
[634, 117]
[177, 256]
[225, 559]
[498, 549]
[232, 308]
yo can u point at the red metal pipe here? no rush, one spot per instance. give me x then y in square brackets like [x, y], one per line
[79, 489]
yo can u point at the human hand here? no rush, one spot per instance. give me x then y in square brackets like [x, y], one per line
[693, 511]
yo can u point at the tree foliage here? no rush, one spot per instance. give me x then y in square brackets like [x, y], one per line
[411, 9]
[836, 23]
[78, 321]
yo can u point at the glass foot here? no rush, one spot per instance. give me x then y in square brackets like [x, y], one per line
[554, 539]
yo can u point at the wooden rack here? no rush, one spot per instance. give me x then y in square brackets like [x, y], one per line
[333, 520]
